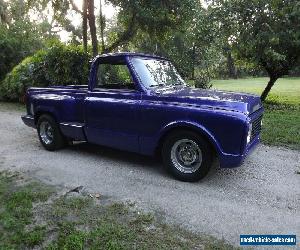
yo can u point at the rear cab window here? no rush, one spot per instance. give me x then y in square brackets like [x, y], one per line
[114, 76]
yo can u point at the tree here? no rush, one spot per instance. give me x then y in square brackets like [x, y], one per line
[84, 24]
[88, 15]
[3, 12]
[19, 36]
[191, 44]
[102, 26]
[151, 17]
[266, 32]
[92, 24]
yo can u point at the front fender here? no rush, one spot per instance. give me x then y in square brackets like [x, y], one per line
[198, 128]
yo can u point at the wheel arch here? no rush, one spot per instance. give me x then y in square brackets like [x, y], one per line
[183, 125]
[41, 112]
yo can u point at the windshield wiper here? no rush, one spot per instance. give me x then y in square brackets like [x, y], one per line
[157, 85]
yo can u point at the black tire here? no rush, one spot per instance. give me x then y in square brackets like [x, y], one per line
[57, 141]
[201, 168]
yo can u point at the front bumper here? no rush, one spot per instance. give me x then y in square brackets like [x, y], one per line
[232, 161]
[29, 120]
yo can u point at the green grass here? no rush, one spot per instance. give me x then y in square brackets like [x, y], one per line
[16, 212]
[285, 90]
[281, 127]
[281, 123]
[33, 216]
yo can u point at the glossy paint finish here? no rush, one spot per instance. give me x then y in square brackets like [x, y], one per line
[138, 120]
[111, 118]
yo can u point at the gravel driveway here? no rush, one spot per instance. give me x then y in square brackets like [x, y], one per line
[261, 197]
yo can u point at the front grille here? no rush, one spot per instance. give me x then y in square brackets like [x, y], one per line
[256, 127]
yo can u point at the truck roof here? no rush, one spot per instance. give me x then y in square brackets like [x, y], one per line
[122, 55]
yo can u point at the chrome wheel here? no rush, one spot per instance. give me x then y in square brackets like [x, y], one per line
[46, 132]
[186, 156]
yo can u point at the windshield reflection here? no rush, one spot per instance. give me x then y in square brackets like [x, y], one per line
[157, 73]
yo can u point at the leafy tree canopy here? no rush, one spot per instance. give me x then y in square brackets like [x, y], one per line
[266, 32]
[19, 35]
[151, 16]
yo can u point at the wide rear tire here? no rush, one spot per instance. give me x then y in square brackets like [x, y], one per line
[49, 133]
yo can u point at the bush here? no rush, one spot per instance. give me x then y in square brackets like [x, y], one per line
[203, 82]
[204, 75]
[57, 65]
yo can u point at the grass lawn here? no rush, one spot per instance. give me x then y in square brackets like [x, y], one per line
[34, 216]
[282, 110]
[285, 90]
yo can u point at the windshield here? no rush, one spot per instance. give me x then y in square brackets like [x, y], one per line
[155, 72]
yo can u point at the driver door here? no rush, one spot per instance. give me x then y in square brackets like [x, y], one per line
[111, 109]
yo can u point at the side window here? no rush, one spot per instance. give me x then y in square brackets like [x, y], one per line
[114, 76]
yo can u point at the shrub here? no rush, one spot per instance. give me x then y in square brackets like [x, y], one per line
[204, 75]
[58, 65]
[203, 82]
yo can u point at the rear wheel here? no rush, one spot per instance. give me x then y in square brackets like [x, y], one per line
[49, 133]
[187, 155]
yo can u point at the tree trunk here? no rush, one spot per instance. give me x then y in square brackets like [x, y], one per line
[92, 25]
[84, 25]
[230, 65]
[102, 28]
[268, 87]
[193, 61]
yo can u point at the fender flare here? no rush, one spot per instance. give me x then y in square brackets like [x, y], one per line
[195, 127]
[39, 110]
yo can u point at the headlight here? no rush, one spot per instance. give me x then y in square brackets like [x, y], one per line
[249, 133]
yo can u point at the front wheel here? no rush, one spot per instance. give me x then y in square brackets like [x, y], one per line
[187, 155]
[49, 133]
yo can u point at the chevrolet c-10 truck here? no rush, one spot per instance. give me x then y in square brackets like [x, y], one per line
[139, 103]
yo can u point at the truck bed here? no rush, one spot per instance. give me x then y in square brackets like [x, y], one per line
[65, 102]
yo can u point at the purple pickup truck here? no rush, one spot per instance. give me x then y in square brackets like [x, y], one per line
[139, 103]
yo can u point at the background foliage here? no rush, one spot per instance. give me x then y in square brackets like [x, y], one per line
[265, 33]
[223, 39]
[15, 45]
[57, 65]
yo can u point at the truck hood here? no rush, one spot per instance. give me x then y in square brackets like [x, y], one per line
[239, 102]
